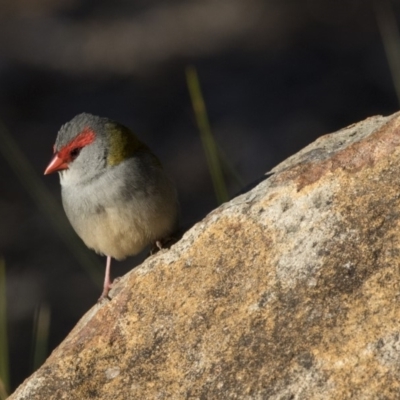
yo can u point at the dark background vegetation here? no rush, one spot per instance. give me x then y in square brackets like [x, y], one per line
[275, 75]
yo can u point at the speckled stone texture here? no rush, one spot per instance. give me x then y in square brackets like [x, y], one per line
[289, 291]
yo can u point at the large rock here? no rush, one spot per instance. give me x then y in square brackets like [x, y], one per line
[290, 291]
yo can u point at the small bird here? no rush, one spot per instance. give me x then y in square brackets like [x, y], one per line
[114, 190]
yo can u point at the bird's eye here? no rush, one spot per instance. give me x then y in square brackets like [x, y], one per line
[75, 152]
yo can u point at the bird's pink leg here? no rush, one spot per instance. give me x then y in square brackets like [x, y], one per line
[107, 281]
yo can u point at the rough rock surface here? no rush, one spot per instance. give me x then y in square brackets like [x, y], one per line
[289, 291]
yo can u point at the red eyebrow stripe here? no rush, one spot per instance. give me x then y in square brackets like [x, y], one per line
[86, 137]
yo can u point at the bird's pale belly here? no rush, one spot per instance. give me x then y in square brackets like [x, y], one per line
[114, 233]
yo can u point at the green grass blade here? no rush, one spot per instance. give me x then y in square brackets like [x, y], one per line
[209, 145]
[4, 361]
[46, 203]
[41, 329]
[3, 391]
[390, 34]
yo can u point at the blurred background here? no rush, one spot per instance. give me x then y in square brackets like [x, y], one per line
[275, 75]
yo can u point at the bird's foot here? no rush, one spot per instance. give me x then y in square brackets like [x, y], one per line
[155, 248]
[107, 281]
[162, 244]
[104, 294]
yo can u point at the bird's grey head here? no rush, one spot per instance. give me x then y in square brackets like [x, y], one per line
[81, 145]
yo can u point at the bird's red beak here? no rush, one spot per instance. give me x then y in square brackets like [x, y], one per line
[56, 164]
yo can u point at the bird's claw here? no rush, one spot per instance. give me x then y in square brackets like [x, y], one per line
[162, 244]
[104, 294]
